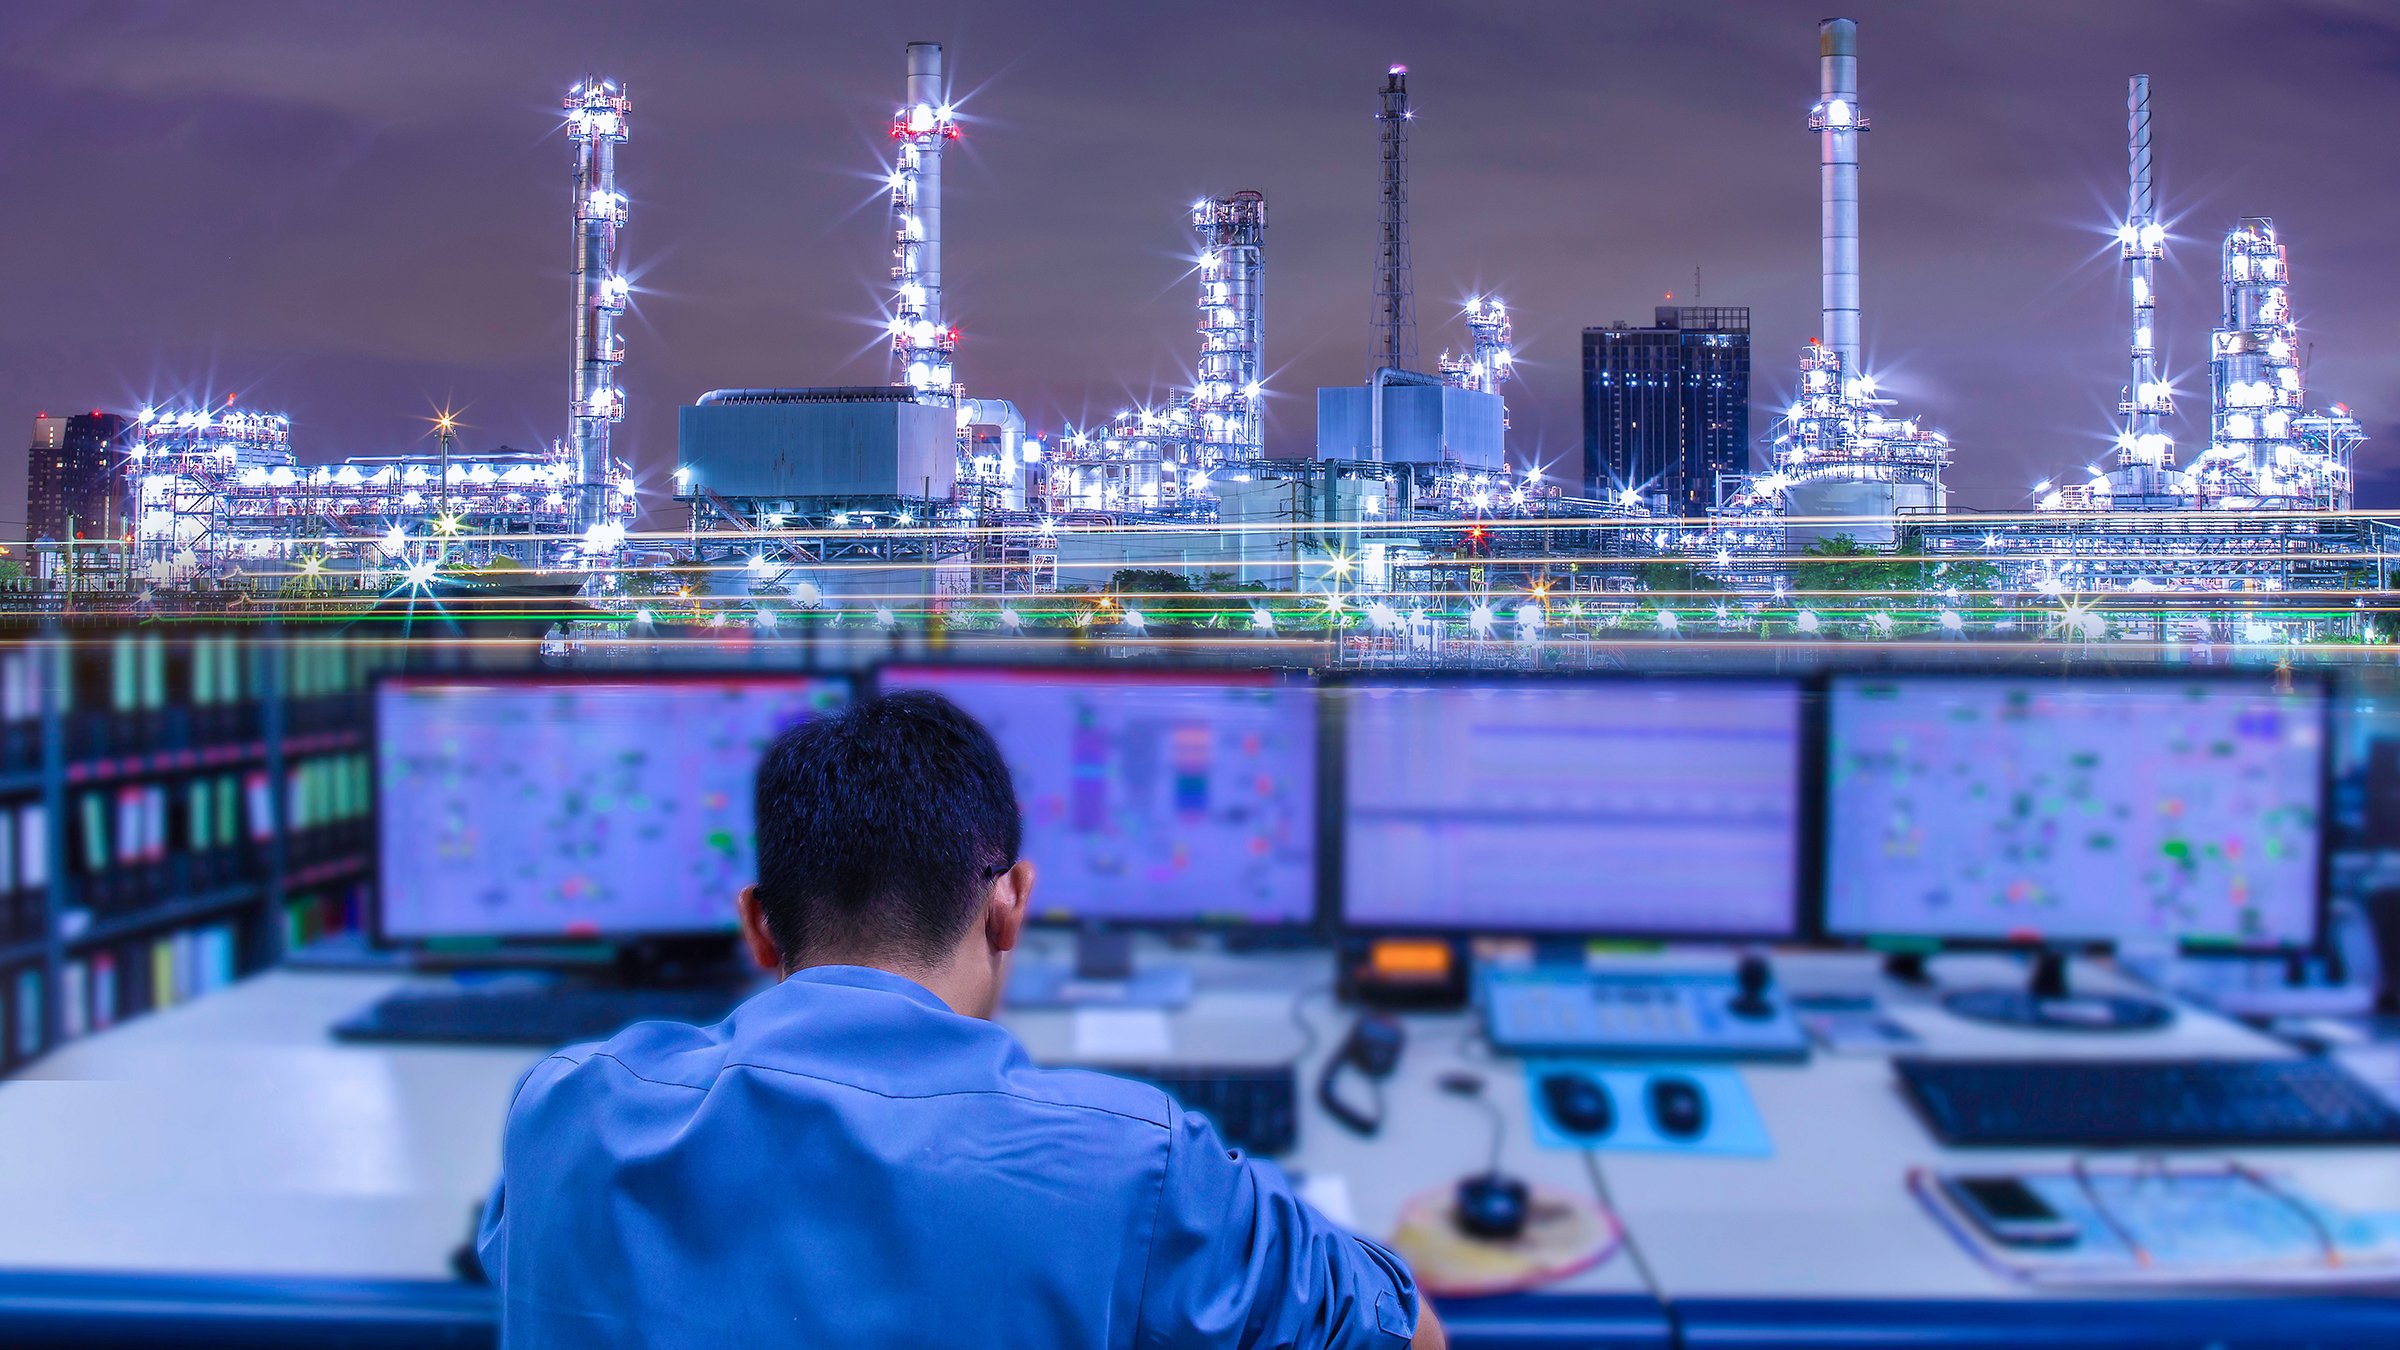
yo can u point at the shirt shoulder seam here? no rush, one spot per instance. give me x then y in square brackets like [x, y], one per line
[618, 1060]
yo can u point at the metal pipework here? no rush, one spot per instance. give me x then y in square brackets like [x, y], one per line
[1000, 413]
[1837, 122]
[597, 124]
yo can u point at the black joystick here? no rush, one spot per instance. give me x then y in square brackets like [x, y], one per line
[1752, 978]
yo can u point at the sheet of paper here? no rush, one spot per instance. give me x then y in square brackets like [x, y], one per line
[1120, 1034]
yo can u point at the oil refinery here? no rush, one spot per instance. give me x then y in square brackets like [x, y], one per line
[1411, 532]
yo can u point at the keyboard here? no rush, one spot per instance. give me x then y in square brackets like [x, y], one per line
[1256, 1107]
[2104, 1102]
[541, 1014]
[1632, 1015]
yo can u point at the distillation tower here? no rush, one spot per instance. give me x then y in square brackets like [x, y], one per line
[596, 125]
[1161, 458]
[2265, 448]
[1228, 397]
[922, 345]
[1491, 348]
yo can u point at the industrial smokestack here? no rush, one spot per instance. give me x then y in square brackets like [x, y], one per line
[2143, 444]
[596, 125]
[1837, 122]
[1395, 345]
[921, 341]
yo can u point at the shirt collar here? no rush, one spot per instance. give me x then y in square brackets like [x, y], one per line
[868, 977]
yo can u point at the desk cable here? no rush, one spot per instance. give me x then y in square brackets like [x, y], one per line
[1633, 1248]
[1298, 1011]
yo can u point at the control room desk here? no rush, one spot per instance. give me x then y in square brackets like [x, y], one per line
[1823, 1245]
[225, 1167]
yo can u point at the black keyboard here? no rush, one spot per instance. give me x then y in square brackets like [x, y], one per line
[1256, 1107]
[530, 1014]
[2104, 1102]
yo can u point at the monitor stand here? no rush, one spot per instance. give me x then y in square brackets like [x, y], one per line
[682, 963]
[2048, 1004]
[1103, 976]
[1907, 968]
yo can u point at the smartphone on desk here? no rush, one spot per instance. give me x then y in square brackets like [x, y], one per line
[2010, 1212]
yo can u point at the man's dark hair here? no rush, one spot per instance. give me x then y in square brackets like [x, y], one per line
[880, 829]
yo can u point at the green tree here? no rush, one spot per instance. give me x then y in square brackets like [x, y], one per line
[1840, 563]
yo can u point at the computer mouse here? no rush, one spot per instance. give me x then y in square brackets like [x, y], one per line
[1678, 1109]
[1491, 1206]
[1577, 1104]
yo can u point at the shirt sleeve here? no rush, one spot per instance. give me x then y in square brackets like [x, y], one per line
[1236, 1259]
[491, 1234]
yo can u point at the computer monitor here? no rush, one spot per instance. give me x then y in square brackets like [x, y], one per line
[1153, 798]
[1622, 808]
[2080, 812]
[573, 808]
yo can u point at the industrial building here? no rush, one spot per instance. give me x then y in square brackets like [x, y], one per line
[825, 494]
[73, 473]
[1842, 460]
[1442, 424]
[1666, 409]
[2266, 450]
[220, 493]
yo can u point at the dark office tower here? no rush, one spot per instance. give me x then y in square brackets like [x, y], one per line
[73, 471]
[1666, 409]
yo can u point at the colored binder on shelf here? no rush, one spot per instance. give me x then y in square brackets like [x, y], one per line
[73, 996]
[33, 846]
[29, 1012]
[104, 990]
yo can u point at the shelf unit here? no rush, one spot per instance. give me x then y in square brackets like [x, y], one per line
[180, 804]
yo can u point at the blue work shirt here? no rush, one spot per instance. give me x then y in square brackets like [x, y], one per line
[844, 1161]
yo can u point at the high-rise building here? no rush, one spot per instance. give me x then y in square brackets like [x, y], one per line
[72, 472]
[1666, 409]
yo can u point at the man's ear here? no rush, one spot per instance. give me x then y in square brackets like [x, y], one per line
[761, 943]
[1011, 900]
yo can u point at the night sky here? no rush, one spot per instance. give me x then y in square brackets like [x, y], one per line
[357, 213]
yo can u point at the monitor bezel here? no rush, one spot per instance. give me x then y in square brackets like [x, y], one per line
[2319, 683]
[1335, 718]
[380, 936]
[1312, 923]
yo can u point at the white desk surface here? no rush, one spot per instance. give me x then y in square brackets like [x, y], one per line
[1829, 1216]
[232, 1136]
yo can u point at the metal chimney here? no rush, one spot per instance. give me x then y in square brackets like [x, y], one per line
[1395, 344]
[2144, 444]
[1837, 122]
